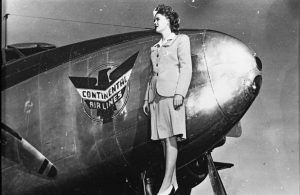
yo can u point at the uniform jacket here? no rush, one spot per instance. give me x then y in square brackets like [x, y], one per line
[171, 68]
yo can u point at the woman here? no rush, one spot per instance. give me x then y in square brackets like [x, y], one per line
[170, 80]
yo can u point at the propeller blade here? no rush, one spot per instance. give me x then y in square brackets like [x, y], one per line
[221, 165]
[214, 176]
[18, 150]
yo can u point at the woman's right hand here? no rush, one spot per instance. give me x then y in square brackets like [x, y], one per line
[146, 108]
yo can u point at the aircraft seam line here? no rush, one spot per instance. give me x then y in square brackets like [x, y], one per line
[203, 43]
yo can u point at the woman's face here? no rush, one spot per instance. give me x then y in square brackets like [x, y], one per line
[161, 23]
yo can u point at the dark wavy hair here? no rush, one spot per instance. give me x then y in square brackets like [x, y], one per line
[171, 15]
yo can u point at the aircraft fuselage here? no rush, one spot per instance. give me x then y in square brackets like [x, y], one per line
[81, 105]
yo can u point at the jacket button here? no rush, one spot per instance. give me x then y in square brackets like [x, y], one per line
[157, 55]
[156, 64]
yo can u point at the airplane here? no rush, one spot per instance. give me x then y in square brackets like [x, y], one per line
[72, 119]
[16, 51]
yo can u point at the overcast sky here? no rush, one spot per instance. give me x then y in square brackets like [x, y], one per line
[266, 157]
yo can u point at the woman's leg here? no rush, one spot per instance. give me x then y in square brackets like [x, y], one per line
[171, 157]
[174, 179]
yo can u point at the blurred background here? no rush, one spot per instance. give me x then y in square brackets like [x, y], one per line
[266, 156]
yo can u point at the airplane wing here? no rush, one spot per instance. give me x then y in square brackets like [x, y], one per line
[17, 149]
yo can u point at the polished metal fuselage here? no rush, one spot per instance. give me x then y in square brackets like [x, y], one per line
[46, 109]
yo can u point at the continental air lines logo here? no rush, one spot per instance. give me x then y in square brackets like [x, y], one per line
[105, 95]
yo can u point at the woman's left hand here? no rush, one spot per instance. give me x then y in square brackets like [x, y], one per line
[177, 101]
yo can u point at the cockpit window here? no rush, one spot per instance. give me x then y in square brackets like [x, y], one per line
[12, 54]
[19, 50]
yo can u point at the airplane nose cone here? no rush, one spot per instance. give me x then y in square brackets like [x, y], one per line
[234, 72]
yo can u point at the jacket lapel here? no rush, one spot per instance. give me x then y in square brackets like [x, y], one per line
[170, 41]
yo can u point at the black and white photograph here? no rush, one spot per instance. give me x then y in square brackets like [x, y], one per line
[150, 97]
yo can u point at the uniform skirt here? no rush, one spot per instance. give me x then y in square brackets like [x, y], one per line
[165, 120]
